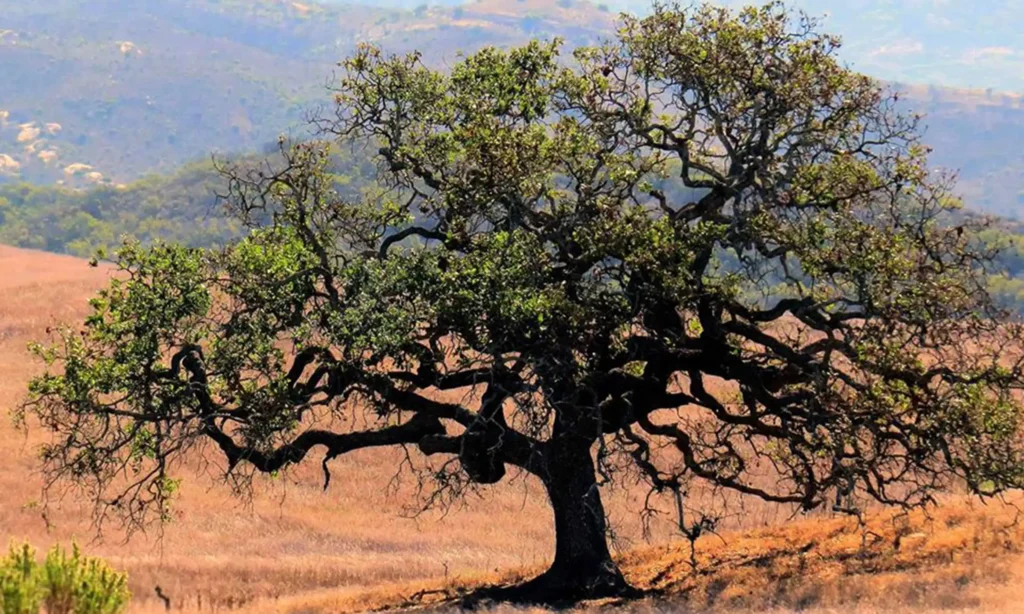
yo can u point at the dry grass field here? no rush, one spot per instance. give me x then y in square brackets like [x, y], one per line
[296, 548]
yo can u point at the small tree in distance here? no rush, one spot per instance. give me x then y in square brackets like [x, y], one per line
[705, 250]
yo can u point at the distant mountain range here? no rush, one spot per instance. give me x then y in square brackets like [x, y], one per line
[976, 44]
[106, 91]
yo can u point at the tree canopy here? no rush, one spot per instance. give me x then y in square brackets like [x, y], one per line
[705, 250]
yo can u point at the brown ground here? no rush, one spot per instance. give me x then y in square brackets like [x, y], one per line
[299, 549]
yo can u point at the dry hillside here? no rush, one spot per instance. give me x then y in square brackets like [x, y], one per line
[296, 548]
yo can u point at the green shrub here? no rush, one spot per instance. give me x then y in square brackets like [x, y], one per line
[20, 592]
[64, 584]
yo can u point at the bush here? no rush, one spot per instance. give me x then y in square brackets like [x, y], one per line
[20, 592]
[64, 584]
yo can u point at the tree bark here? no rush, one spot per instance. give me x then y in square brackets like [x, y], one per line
[583, 567]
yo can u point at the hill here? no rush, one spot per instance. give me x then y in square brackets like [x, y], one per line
[359, 545]
[180, 207]
[977, 133]
[108, 91]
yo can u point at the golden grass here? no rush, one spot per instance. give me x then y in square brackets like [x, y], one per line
[960, 558]
[296, 548]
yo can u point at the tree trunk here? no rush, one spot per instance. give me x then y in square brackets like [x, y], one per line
[583, 567]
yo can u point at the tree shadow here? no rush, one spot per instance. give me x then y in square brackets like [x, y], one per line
[522, 594]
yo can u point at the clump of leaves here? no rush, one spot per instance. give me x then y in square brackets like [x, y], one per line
[65, 583]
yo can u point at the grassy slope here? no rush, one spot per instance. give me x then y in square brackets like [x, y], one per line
[293, 539]
[960, 558]
[296, 548]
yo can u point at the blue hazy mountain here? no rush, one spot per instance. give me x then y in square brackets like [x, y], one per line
[105, 91]
[957, 43]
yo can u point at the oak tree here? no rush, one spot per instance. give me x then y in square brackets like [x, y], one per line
[706, 250]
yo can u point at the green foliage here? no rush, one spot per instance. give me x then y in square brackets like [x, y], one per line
[20, 592]
[180, 208]
[74, 584]
[63, 584]
[1006, 280]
